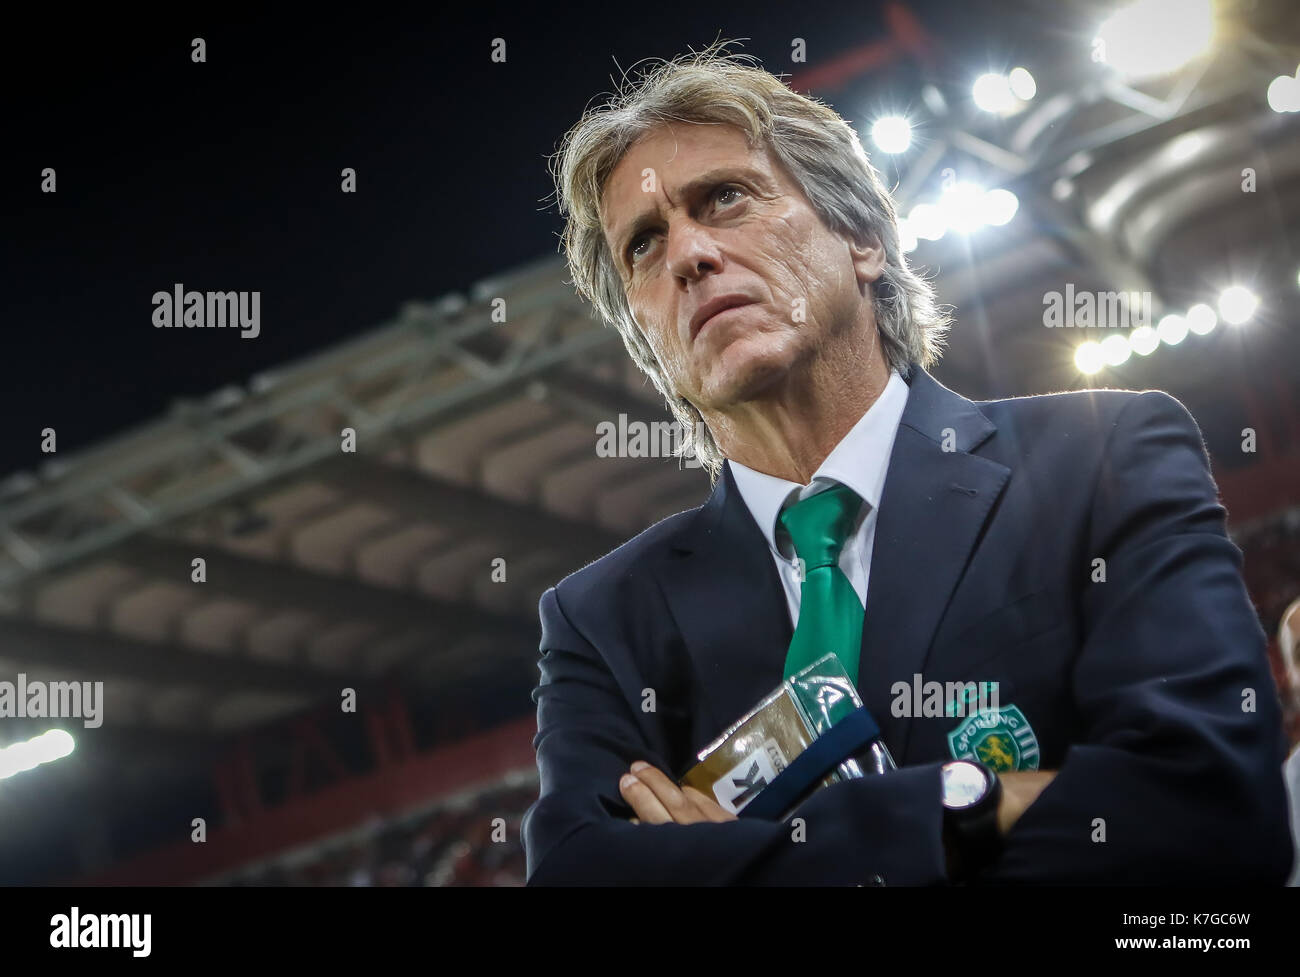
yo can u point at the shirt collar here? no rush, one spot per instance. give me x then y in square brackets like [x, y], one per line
[860, 461]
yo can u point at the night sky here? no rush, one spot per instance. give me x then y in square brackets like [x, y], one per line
[226, 176]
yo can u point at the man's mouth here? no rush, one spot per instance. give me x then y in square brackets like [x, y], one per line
[715, 307]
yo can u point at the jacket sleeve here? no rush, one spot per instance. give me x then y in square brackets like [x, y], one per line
[1177, 776]
[877, 830]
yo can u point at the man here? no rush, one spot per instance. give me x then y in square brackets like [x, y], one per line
[1069, 548]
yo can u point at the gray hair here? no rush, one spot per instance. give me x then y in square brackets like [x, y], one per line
[817, 147]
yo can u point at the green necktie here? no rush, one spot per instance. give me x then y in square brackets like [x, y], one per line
[830, 614]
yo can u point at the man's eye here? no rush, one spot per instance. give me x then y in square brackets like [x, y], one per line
[728, 188]
[633, 254]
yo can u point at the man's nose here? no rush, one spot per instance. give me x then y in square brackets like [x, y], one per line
[693, 251]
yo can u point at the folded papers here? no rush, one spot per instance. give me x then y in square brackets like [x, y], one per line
[810, 732]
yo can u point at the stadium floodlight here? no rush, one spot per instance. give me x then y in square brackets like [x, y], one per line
[1172, 329]
[962, 207]
[1115, 349]
[1155, 37]
[1143, 340]
[892, 134]
[992, 93]
[1201, 319]
[998, 207]
[1022, 84]
[1237, 304]
[1187, 146]
[906, 236]
[50, 745]
[926, 221]
[1089, 357]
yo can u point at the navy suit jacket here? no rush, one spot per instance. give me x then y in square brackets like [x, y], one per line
[1149, 692]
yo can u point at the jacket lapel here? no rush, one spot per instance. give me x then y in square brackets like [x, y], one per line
[722, 588]
[936, 500]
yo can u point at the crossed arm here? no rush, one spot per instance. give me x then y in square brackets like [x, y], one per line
[1185, 779]
[657, 800]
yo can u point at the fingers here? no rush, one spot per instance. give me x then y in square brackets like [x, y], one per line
[644, 801]
[657, 800]
[681, 807]
[712, 810]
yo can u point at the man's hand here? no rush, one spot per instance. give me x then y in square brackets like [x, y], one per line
[657, 800]
[1020, 789]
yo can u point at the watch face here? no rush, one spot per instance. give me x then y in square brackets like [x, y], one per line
[964, 784]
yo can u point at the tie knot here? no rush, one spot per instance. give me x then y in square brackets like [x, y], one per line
[819, 524]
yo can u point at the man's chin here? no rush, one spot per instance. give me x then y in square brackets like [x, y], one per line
[756, 379]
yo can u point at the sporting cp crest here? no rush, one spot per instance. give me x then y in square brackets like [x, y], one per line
[1001, 739]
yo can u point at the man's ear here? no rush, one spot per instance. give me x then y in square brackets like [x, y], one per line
[868, 259]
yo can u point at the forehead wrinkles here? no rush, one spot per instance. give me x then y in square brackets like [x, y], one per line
[661, 187]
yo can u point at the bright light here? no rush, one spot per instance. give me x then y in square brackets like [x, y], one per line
[992, 93]
[58, 744]
[1284, 94]
[1201, 319]
[906, 236]
[927, 222]
[998, 207]
[962, 206]
[892, 134]
[1172, 329]
[1143, 340]
[1022, 84]
[1237, 304]
[1184, 147]
[1115, 349]
[50, 745]
[1089, 357]
[1155, 37]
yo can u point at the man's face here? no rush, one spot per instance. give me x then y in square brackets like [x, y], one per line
[725, 220]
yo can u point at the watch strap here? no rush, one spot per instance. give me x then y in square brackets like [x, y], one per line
[973, 833]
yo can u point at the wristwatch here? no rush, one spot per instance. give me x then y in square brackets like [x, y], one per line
[971, 793]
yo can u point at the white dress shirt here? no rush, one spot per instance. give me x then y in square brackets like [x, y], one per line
[860, 461]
